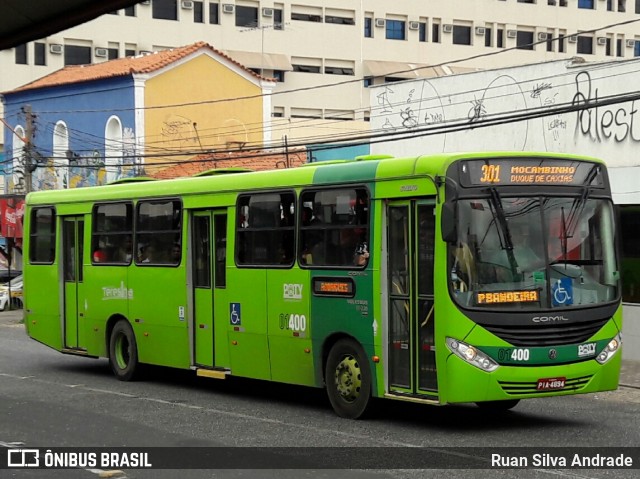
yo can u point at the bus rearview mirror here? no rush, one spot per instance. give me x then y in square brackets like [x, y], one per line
[448, 223]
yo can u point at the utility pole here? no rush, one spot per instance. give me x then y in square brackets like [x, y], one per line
[28, 148]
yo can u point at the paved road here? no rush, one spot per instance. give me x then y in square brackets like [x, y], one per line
[51, 400]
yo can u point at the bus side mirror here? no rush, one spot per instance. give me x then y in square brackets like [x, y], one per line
[449, 221]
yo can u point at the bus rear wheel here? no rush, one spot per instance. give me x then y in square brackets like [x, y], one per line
[497, 406]
[348, 379]
[123, 352]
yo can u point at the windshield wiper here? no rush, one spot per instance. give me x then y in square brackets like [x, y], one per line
[504, 229]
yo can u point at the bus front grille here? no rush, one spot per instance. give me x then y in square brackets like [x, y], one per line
[531, 387]
[541, 335]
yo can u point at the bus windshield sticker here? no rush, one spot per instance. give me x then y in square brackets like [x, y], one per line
[334, 287]
[497, 297]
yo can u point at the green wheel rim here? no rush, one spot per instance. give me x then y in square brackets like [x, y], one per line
[348, 378]
[122, 351]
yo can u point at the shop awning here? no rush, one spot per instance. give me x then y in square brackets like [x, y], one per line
[378, 68]
[264, 61]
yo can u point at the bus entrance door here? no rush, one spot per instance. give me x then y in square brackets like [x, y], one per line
[72, 273]
[208, 258]
[411, 349]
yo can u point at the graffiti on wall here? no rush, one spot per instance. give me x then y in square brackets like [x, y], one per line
[447, 113]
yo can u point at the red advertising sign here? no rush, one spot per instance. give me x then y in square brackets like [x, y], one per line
[11, 216]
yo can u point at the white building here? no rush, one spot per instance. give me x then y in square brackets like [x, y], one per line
[306, 44]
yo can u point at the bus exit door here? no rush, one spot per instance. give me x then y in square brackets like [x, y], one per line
[72, 277]
[208, 262]
[411, 349]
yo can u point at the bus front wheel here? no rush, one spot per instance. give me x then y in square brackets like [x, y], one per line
[123, 352]
[497, 406]
[348, 379]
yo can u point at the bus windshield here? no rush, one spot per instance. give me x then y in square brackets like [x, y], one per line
[524, 253]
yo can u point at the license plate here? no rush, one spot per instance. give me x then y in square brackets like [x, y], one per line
[550, 384]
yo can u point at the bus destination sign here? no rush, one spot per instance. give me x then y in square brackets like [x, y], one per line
[333, 287]
[517, 171]
[498, 297]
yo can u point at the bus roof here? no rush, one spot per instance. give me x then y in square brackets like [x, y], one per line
[363, 169]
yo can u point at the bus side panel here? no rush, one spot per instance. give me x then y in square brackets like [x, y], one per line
[42, 304]
[290, 327]
[246, 321]
[344, 315]
[157, 307]
[104, 293]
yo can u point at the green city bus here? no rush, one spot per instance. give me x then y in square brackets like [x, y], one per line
[453, 278]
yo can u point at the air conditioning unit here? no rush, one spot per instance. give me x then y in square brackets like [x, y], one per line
[56, 48]
[414, 25]
[101, 52]
[631, 43]
[480, 30]
[447, 28]
[267, 12]
[187, 4]
[380, 22]
[602, 40]
[573, 38]
[543, 35]
[512, 33]
[228, 8]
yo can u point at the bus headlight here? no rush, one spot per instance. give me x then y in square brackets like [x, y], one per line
[471, 354]
[610, 350]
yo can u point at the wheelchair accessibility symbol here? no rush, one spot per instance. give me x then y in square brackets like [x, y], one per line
[234, 314]
[562, 292]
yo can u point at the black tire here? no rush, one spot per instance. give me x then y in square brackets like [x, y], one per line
[123, 352]
[498, 406]
[348, 379]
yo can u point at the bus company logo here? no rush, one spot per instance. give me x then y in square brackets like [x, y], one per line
[292, 291]
[553, 354]
[588, 349]
[23, 458]
[549, 319]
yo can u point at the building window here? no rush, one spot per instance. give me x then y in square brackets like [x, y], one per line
[77, 55]
[266, 229]
[549, 42]
[367, 82]
[214, 13]
[589, 4]
[435, 33]
[278, 24]
[39, 53]
[526, 1]
[278, 75]
[422, 32]
[339, 20]
[629, 224]
[636, 49]
[500, 38]
[487, 37]
[112, 53]
[585, 45]
[130, 11]
[524, 40]
[113, 148]
[306, 17]
[619, 48]
[338, 71]
[198, 12]
[368, 31]
[461, 35]
[246, 16]
[608, 50]
[395, 29]
[129, 53]
[637, 5]
[21, 54]
[622, 5]
[165, 9]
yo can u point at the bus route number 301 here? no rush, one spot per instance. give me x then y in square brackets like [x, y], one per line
[293, 322]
